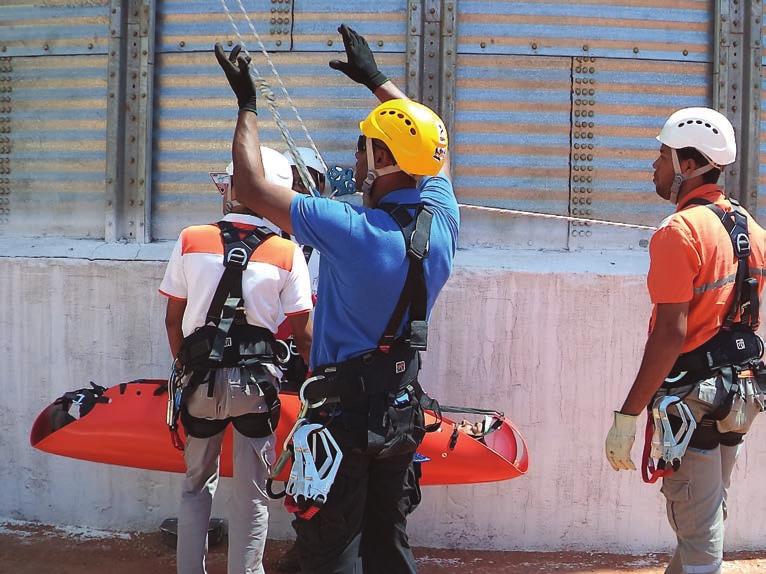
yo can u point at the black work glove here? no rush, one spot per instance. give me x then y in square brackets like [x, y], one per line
[236, 68]
[361, 66]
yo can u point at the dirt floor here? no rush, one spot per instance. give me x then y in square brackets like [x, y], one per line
[29, 549]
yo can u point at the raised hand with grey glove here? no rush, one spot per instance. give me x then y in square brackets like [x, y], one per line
[237, 70]
[620, 440]
[361, 66]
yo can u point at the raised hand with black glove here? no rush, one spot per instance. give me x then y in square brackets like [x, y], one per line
[237, 70]
[361, 66]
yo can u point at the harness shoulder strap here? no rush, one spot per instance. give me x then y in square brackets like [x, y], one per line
[414, 296]
[226, 306]
[746, 301]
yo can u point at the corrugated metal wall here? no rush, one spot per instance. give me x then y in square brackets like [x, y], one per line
[558, 104]
[196, 112]
[52, 117]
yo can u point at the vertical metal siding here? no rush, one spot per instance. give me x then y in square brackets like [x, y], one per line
[383, 23]
[37, 27]
[632, 100]
[196, 25]
[630, 64]
[196, 114]
[653, 29]
[511, 140]
[761, 213]
[56, 135]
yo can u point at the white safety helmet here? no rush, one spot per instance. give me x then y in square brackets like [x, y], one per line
[703, 129]
[276, 169]
[309, 157]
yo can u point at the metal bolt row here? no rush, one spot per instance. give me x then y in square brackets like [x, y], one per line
[6, 67]
[584, 90]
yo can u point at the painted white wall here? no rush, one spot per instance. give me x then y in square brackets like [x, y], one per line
[551, 339]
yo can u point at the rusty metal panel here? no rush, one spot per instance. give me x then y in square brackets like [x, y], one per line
[52, 143]
[195, 114]
[630, 101]
[645, 29]
[196, 25]
[43, 27]
[510, 143]
[383, 23]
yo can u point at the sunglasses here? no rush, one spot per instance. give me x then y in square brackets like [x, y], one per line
[361, 144]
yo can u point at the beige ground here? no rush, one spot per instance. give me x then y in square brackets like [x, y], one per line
[30, 549]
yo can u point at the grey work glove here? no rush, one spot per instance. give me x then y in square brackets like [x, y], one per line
[237, 70]
[361, 66]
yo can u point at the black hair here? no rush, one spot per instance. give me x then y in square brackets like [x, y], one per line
[694, 154]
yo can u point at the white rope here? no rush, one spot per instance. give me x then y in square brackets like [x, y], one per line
[552, 216]
[271, 101]
[281, 85]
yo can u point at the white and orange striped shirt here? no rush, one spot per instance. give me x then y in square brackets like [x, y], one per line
[275, 283]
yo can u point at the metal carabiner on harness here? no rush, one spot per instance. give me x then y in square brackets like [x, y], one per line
[667, 447]
[310, 484]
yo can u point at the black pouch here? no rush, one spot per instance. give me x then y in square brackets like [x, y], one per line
[196, 348]
[201, 428]
[404, 422]
[254, 425]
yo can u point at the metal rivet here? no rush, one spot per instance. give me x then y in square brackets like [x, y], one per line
[534, 45]
[635, 49]
[329, 42]
[380, 43]
[45, 46]
[279, 42]
[90, 46]
[483, 45]
[585, 48]
[182, 43]
[685, 52]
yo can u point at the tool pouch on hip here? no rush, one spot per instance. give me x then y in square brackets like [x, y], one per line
[745, 401]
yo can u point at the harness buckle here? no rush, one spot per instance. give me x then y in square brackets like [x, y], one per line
[237, 257]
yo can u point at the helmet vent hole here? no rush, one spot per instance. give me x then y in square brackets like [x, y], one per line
[707, 125]
[412, 131]
[681, 125]
[715, 131]
[392, 113]
[407, 122]
[689, 121]
[383, 113]
[400, 116]
[699, 121]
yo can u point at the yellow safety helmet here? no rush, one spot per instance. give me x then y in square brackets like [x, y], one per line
[415, 135]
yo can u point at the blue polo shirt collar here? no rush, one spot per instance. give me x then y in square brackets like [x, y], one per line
[401, 196]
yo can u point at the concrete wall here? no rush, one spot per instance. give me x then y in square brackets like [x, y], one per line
[552, 339]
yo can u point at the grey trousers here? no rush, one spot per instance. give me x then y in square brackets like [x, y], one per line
[248, 512]
[696, 506]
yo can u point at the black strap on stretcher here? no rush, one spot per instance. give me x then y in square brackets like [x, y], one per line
[417, 232]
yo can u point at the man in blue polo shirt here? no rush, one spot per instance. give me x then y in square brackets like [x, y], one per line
[382, 268]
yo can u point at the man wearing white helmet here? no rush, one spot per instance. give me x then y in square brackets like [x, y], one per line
[698, 371]
[228, 285]
[315, 167]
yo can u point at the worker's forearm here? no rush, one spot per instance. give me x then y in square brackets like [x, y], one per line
[389, 91]
[175, 338]
[662, 350]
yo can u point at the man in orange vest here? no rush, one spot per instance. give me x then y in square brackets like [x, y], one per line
[705, 276]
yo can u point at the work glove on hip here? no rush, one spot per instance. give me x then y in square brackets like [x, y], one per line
[361, 66]
[237, 70]
[620, 440]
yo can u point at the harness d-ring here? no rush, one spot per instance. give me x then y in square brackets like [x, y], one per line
[301, 392]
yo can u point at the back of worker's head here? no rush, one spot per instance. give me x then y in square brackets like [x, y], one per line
[702, 135]
[276, 169]
[315, 167]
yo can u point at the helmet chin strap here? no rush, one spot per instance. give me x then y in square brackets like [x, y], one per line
[372, 173]
[679, 177]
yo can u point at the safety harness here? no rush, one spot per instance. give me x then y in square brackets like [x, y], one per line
[226, 341]
[385, 376]
[731, 353]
